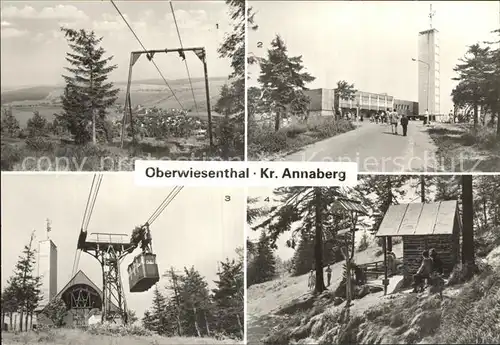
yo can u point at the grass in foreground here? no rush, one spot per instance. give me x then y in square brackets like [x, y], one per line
[49, 154]
[467, 149]
[78, 337]
[264, 142]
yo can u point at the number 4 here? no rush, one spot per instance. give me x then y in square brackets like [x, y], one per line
[266, 199]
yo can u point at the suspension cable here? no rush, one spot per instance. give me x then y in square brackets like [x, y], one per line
[170, 197]
[89, 208]
[185, 61]
[149, 56]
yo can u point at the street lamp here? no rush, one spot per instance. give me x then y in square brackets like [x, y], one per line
[428, 79]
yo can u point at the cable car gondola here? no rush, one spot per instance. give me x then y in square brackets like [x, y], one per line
[143, 271]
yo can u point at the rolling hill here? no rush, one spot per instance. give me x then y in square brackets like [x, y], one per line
[147, 93]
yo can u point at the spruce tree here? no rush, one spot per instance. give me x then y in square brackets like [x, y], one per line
[195, 302]
[10, 125]
[228, 297]
[25, 284]
[263, 266]
[283, 80]
[157, 316]
[37, 125]
[88, 93]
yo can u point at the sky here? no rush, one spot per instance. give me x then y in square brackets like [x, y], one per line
[371, 43]
[33, 48]
[284, 252]
[198, 227]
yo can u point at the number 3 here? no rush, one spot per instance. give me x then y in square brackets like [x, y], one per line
[227, 198]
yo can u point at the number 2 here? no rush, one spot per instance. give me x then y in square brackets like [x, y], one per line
[259, 44]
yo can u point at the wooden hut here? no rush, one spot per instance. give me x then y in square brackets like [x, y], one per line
[424, 226]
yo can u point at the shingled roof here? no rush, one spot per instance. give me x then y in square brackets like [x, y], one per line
[413, 219]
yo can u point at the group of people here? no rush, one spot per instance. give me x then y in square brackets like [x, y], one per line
[431, 266]
[312, 277]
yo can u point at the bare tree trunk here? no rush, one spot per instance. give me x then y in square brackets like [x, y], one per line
[318, 242]
[26, 318]
[467, 220]
[278, 118]
[10, 319]
[21, 320]
[196, 322]
[422, 188]
[242, 330]
[206, 322]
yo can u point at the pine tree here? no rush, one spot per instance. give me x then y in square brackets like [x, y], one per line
[10, 125]
[88, 93]
[157, 315]
[228, 297]
[37, 125]
[230, 135]
[447, 188]
[378, 192]
[263, 266]
[312, 210]
[195, 302]
[283, 80]
[25, 284]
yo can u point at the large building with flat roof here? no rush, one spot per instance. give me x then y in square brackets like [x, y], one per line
[368, 103]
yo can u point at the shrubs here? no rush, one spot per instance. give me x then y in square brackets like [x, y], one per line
[118, 330]
[264, 140]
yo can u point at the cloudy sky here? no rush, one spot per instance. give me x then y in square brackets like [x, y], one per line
[371, 43]
[33, 47]
[198, 228]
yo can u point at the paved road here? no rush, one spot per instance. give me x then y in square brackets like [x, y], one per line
[376, 149]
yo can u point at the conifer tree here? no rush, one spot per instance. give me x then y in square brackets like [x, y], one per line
[283, 80]
[195, 302]
[228, 297]
[88, 93]
[311, 209]
[10, 124]
[157, 316]
[263, 266]
[25, 284]
[37, 125]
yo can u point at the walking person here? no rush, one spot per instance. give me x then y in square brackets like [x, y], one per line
[404, 124]
[328, 275]
[426, 118]
[394, 121]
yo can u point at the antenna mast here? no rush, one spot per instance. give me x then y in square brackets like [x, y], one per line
[431, 15]
[48, 228]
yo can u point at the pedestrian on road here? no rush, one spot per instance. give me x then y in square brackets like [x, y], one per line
[404, 124]
[394, 121]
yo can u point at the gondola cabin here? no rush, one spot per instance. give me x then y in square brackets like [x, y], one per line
[143, 272]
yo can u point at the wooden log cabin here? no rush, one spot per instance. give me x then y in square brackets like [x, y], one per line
[423, 226]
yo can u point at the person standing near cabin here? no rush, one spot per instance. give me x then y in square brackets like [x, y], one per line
[404, 124]
[437, 264]
[328, 274]
[423, 272]
[426, 118]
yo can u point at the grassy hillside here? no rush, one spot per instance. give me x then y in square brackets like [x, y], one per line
[283, 311]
